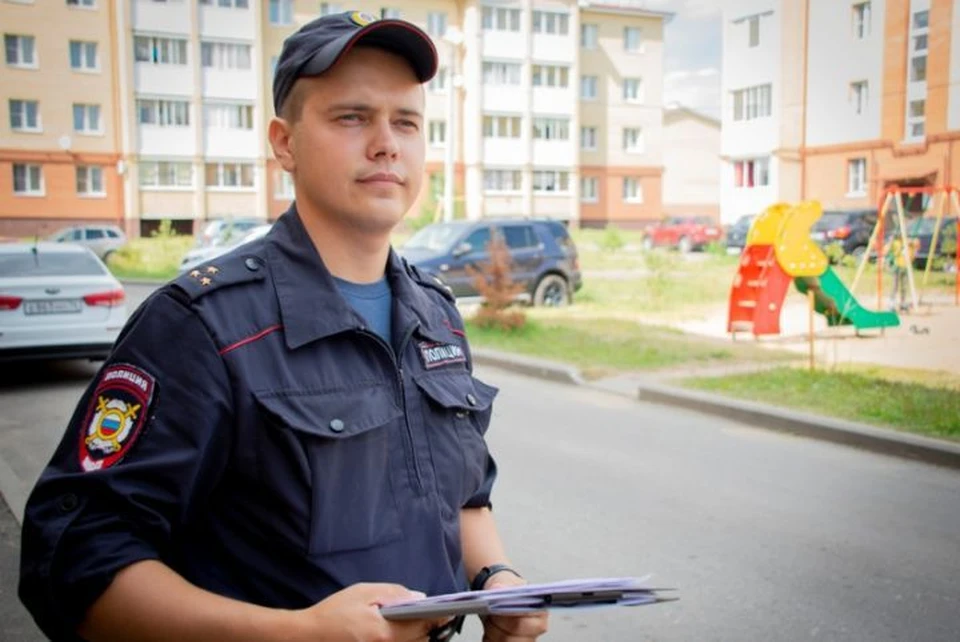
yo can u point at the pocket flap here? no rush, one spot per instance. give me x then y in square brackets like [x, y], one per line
[458, 391]
[333, 414]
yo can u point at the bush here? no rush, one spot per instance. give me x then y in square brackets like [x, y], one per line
[495, 284]
[157, 257]
[717, 248]
[834, 252]
[612, 239]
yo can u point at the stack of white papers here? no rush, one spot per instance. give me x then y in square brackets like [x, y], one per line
[569, 594]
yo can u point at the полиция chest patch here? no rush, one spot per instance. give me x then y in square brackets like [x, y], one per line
[435, 355]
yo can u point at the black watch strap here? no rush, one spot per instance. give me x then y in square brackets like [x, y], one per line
[486, 572]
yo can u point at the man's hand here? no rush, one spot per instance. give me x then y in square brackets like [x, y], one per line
[353, 615]
[512, 628]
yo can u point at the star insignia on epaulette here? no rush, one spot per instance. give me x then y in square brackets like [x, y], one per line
[195, 274]
[206, 281]
[212, 269]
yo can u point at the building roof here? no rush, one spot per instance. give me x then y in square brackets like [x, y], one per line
[676, 110]
[626, 7]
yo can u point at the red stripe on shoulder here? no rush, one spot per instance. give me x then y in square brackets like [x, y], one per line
[250, 339]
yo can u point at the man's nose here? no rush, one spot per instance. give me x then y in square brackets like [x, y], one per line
[383, 141]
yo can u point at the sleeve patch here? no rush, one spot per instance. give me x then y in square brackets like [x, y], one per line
[116, 416]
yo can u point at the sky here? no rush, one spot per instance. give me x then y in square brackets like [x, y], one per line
[692, 54]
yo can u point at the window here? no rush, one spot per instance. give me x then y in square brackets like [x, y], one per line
[918, 108]
[753, 24]
[588, 36]
[633, 140]
[921, 20]
[330, 8]
[224, 55]
[752, 103]
[750, 173]
[631, 39]
[916, 119]
[20, 50]
[859, 96]
[551, 22]
[283, 185]
[436, 23]
[588, 138]
[438, 83]
[438, 133]
[163, 113]
[589, 189]
[83, 55]
[27, 179]
[857, 176]
[551, 76]
[518, 237]
[501, 180]
[86, 119]
[160, 51]
[551, 128]
[228, 4]
[229, 175]
[281, 12]
[388, 13]
[165, 174]
[633, 90]
[501, 73]
[501, 126]
[918, 69]
[90, 180]
[81, 3]
[479, 241]
[500, 19]
[920, 43]
[588, 87]
[551, 182]
[228, 115]
[632, 190]
[25, 115]
[861, 20]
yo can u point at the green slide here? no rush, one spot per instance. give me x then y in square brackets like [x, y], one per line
[833, 300]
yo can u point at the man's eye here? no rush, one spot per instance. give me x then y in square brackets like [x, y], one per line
[350, 118]
[408, 124]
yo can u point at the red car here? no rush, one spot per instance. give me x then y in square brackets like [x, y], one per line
[686, 233]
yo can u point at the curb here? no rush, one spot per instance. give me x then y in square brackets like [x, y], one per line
[847, 433]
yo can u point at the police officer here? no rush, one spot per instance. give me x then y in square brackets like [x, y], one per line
[291, 436]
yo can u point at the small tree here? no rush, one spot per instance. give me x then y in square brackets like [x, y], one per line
[495, 284]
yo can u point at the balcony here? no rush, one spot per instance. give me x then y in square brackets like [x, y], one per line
[164, 17]
[504, 151]
[164, 80]
[227, 23]
[230, 143]
[166, 141]
[235, 84]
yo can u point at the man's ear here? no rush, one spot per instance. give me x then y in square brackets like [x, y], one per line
[280, 133]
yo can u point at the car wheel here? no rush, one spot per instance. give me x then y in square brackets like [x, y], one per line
[552, 291]
[858, 252]
[685, 246]
[106, 257]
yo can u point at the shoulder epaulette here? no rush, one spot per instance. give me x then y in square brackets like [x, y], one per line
[430, 281]
[229, 270]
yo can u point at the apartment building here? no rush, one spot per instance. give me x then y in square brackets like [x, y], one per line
[138, 111]
[836, 101]
[691, 160]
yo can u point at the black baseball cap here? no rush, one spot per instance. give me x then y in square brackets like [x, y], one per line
[319, 44]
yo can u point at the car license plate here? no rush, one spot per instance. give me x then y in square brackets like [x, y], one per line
[54, 306]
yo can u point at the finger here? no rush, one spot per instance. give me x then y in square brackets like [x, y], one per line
[521, 625]
[381, 594]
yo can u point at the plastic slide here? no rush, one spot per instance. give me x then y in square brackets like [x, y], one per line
[834, 301]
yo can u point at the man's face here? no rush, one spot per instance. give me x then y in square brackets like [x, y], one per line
[357, 149]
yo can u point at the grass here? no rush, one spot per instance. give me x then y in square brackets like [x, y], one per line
[150, 258]
[868, 394]
[603, 347]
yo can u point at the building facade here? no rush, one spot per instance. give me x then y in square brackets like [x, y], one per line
[139, 111]
[836, 101]
[691, 158]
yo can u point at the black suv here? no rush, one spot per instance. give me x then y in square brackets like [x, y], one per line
[544, 257]
[850, 230]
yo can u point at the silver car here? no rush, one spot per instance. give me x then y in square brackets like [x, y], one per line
[102, 239]
[200, 255]
[57, 301]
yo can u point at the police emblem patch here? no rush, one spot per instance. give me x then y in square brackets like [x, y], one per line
[435, 355]
[117, 413]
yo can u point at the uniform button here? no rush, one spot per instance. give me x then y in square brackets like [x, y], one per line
[68, 502]
[252, 264]
[471, 399]
[336, 425]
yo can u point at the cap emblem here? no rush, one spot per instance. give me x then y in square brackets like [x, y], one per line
[361, 18]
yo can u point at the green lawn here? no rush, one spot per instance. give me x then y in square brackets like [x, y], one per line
[868, 395]
[603, 347]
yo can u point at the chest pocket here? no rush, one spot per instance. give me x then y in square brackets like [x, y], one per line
[456, 415]
[346, 443]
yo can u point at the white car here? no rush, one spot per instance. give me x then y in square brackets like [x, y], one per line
[200, 255]
[57, 301]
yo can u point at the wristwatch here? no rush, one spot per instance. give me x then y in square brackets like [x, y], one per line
[487, 572]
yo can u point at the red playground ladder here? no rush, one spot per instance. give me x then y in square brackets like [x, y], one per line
[758, 291]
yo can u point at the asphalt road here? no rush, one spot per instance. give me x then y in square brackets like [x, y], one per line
[765, 536]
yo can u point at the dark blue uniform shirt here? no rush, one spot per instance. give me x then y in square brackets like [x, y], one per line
[252, 434]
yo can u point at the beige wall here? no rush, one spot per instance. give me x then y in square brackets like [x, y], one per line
[691, 161]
